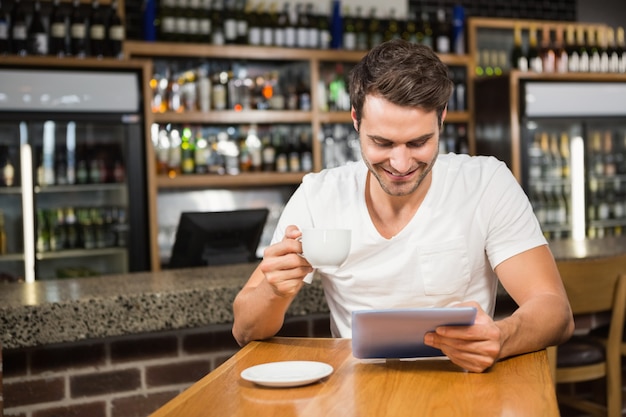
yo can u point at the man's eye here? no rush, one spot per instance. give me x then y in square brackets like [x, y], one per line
[383, 144]
[417, 144]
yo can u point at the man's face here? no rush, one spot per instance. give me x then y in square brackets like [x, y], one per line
[399, 144]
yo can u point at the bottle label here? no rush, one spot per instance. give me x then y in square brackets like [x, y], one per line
[97, 32]
[168, 24]
[290, 37]
[78, 31]
[41, 43]
[19, 32]
[254, 36]
[205, 26]
[4, 30]
[279, 37]
[443, 44]
[117, 33]
[349, 41]
[193, 27]
[267, 36]
[57, 30]
[181, 25]
[230, 29]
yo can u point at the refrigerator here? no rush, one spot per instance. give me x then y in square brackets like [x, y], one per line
[565, 140]
[73, 187]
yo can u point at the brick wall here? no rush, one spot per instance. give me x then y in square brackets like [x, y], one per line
[121, 377]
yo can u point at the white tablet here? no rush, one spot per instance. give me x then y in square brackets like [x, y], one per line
[399, 333]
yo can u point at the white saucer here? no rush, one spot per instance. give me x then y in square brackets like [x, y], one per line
[287, 373]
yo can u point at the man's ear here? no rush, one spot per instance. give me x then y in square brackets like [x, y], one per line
[444, 113]
[355, 123]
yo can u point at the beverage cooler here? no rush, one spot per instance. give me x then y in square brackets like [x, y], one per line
[73, 194]
[566, 142]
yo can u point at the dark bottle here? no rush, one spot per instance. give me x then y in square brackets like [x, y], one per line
[37, 34]
[255, 35]
[349, 30]
[443, 32]
[374, 30]
[518, 58]
[78, 31]
[19, 30]
[97, 31]
[116, 33]
[167, 27]
[5, 47]
[57, 43]
[230, 22]
[392, 29]
[573, 58]
[217, 22]
[534, 60]
[242, 22]
[560, 54]
[583, 53]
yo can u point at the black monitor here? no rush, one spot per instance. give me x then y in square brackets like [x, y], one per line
[217, 237]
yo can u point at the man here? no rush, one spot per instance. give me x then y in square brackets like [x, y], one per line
[428, 230]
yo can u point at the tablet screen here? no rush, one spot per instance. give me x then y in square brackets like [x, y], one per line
[399, 333]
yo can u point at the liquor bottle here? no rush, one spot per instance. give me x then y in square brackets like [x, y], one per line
[374, 30]
[174, 156]
[37, 34]
[313, 28]
[546, 53]
[242, 22]
[593, 50]
[57, 41]
[302, 28]
[19, 30]
[282, 158]
[612, 52]
[360, 30]
[5, 46]
[573, 56]
[534, 60]
[201, 154]
[458, 30]
[194, 14]
[255, 31]
[268, 154]
[43, 232]
[565, 156]
[116, 33]
[620, 42]
[269, 20]
[217, 22]
[291, 35]
[204, 22]
[392, 28]
[583, 53]
[610, 169]
[349, 30]
[323, 26]
[8, 172]
[443, 32]
[336, 26]
[97, 31]
[519, 60]
[181, 18]
[167, 29]
[428, 30]
[603, 49]
[78, 31]
[560, 54]
[230, 23]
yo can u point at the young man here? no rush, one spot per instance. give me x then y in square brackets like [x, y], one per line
[428, 230]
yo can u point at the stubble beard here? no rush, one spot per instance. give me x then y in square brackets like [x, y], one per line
[394, 189]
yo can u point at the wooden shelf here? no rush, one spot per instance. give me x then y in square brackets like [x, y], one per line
[252, 179]
[235, 117]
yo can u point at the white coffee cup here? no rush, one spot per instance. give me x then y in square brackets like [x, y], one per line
[326, 247]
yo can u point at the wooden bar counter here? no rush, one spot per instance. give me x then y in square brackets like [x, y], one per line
[519, 386]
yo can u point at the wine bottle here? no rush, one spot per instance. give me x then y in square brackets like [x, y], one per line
[78, 31]
[573, 57]
[323, 25]
[519, 60]
[593, 49]
[255, 36]
[181, 26]
[204, 22]
[57, 41]
[302, 29]
[97, 31]
[349, 30]
[313, 29]
[360, 29]
[612, 53]
[458, 30]
[194, 14]
[5, 47]
[291, 37]
[583, 53]
[442, 32]
[534, 60]
[603, 49]
[546, 53]
[19, 30]
[620, 42]
[230, 23]
[242, 22]
[428, 30]
[37, 34]
[409, 31]
[217, 22]
[269, 20]
[374, 35]
[116, 33]
[167, 27]
[560, 54]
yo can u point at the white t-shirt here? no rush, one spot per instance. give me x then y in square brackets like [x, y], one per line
[474, 216]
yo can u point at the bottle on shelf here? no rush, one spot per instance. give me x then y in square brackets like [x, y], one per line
[611, 50]
[583, 53]
[302, 27]
[374, 30]
[181, 19]
[167, 19]
[546, 52]
[269, 19]
[323, 27]
[349, 30]
[78, 30]
[458, 30]
[361, 29]
[5, 30]
[37, 34]
[561, 58]
[116, 33]
[193, 14]
[534, 60]
[594, 50]
[57, 41]
[230, 22]
[19, 30]
[519, 59]
[97, 31]
[571, 47]
[3, 235]
[620, 41]
[217, 23]
[442, 32]
[8, 172]
[336, 25]
[313, 28]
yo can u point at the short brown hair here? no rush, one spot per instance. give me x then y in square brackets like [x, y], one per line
[404, 73]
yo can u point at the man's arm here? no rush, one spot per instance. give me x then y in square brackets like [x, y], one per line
[260, 306]
[543, 318]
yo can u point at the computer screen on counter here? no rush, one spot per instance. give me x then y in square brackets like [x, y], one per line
[217, 237]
